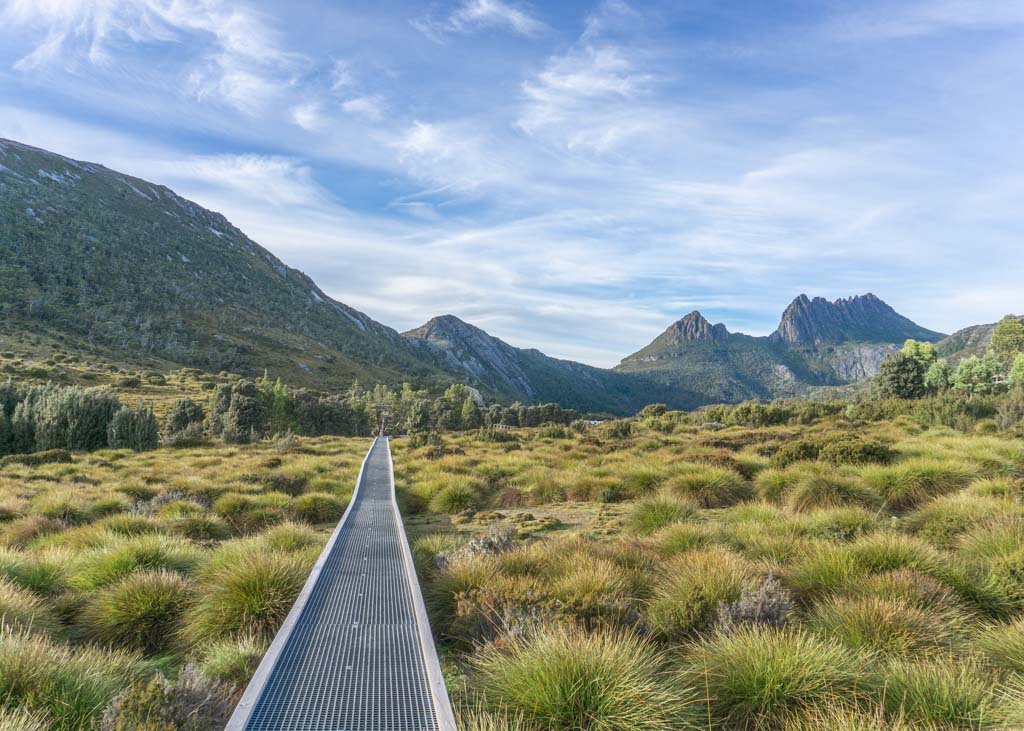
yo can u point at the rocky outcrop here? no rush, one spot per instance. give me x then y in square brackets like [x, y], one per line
[863, 318]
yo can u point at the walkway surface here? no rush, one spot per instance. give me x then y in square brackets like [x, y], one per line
[355, 653]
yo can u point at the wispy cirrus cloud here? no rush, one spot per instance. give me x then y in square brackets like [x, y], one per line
[473, 15]
[242, 63]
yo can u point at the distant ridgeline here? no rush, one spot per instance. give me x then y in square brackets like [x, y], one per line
[113, 265]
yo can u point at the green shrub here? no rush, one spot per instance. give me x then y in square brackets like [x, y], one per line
[709, 487]
[852, 450]
[64, 417]
[291, 537]
[191, 703]
[823, 488]
[693, 586]
[199, 528]
[317, 507]
[944, 693]
[454, 499]
[652, 514]
[69, 687]
[233, 662]
[562, 678]
[801, 450]
[134, 429]
[245, 593]
[889, 626]
[764, 678]
[142, 611]
[35, 459]
[907, 484]
[108, 564]
[23, 611]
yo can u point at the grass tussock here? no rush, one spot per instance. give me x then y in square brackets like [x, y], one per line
[564, 678]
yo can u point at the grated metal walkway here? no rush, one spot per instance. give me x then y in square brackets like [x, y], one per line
[355, 653]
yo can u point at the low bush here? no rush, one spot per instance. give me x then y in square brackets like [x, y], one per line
[454, 499]
[889, 626]
[688, 596]
[652, 514]
[233, 662]
[765, 678]
[317, 507]
[907, 484]
[69, 687]
[944, 693]
[562, 678]
[191, 703]
[709, 487]
[852, 450]
[134, 429]
[245, 593]
[121, 557]
[23, 611]
[142, 611]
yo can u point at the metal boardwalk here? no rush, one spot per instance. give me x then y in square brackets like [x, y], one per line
[355, 653]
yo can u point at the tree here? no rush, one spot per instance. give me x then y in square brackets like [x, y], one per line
[938, 377]
[1017, 372]
[471, 417]
[1007, 339]
[183, 415]
[900, 376]
[920, 351]
[975, 375]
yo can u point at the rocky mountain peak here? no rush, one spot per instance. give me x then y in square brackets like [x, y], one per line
[861, 318]
[696, 327]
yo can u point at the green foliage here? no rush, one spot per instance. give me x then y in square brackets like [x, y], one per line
[232, 662]
[944, 694]
[921, 351]
[692, 588]
[62, 417]
[765, 678]
[1017, 372]
[454, 499]
[134, 429]
[185, 415]
[654, 513]
[142, 611]
[938, 377]
[709, 487]
[68, 687]
[900, 376]
[854, 450]
[23, 611]
[245, 593]
[562, 678]
[976, 375]
[1007, 339]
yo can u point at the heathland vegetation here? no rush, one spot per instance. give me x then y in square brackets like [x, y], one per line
[800, 565]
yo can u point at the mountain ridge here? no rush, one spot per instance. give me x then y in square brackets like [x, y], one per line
[108, 259]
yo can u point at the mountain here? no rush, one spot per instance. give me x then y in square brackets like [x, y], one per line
[817, 343]
[530, 376]
[102, 262]
[111, 261]
[964, 343]
[864, 318]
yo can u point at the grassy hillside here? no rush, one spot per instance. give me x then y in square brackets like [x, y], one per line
[107, 261]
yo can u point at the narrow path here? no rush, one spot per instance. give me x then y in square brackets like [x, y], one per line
[355, 653]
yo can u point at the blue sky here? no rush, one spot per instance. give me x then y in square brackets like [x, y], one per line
[570, 176]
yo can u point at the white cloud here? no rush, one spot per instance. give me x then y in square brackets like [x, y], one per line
[370, 106]
[308, 116]
[472, 15]
[925, 17]
[242, 64]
